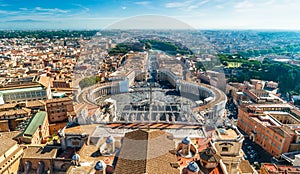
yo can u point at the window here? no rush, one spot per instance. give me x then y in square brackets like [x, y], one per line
[279, 147]
[75, 143]
[276, 137]
[224, 149]
[280, 140]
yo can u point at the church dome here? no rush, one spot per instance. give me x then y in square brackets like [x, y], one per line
[193, 167]
[75, 157]
[110, 140]
[186, 140]
[100, 165]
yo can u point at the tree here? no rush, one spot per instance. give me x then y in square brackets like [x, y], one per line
[89, 81]
[148, 45]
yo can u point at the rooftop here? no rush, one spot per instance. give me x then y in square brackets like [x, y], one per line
[282, 131]
[21, 89]
[143, 151]
[40, 152]
[14, 112]
[89, 155]
[8, 106]
[271, 105]
[35, 103]
[290, 156]
[88, 129]
[245, 167]
[227, 133]
[6, 143]
[278, 168]
[58, 100]
[35, 122]
[266, 120]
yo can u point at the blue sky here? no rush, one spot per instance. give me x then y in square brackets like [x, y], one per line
[98, 14]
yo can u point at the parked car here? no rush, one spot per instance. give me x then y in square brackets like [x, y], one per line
[252, 156]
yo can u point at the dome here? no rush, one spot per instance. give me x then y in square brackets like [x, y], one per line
[186, 140]
[75, 157]
[100, 165]
[193, 167]
[110, 140]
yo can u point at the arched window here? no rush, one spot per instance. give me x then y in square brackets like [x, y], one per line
[224, 149]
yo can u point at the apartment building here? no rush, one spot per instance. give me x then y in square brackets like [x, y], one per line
[59, 110]
[271, 126]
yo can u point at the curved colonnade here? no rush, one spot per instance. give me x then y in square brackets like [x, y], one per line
[213, 100]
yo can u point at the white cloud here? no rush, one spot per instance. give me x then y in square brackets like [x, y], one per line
[142, 3]
[57, 10]
[202, 2]
[191, 7]
[270, 2]
[187, 5]
[123, 8]
[83, 7]
[219, 6]
[23, 9]
[6, 12]
[178, 4]
[244, 6]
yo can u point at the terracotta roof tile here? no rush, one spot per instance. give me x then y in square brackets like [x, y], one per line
[146, 152]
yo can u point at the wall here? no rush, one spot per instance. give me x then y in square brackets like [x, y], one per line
[55, 127]
[57, 111]
[4, 126]
[11, 160]
[263, 135]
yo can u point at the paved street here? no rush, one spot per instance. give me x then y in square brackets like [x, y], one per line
[254, 153]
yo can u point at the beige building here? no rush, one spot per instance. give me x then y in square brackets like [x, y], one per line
[10, 153]
[59, 109]
[37, 131]
[38, 159]
[228, 143]
[271, 127]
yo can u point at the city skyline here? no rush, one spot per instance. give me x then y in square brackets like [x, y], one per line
[204, 14]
